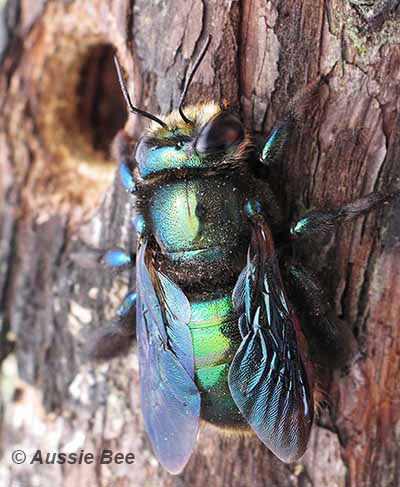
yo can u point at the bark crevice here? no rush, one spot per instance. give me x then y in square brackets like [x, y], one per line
[57, 196]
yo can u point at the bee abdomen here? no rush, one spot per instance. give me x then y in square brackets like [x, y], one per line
[216, 337]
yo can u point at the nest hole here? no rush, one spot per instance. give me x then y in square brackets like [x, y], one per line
[100, 104]
[81, 110]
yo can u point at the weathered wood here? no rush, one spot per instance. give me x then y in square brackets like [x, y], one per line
[61, 106]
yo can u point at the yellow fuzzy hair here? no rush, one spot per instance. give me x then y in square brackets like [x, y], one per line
[199, 114]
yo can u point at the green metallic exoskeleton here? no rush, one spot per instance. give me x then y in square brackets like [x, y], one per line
[206, 264]
[217, 335]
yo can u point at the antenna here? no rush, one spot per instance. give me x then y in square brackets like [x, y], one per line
[190, 77]
[131, 108]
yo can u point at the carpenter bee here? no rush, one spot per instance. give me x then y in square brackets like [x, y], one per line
[218, 337]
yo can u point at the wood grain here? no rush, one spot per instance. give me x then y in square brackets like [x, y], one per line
[58, 196]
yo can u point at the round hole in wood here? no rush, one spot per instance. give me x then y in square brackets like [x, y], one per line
[101, 106]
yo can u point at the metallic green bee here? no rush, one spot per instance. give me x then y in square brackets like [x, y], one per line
[217, 335]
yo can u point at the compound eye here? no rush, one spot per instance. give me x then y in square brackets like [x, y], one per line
[221, 133]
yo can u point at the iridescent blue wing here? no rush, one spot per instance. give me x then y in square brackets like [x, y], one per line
[170, 400]
[267, 377]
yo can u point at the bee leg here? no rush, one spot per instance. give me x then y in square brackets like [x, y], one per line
[114, 260]
[126, 177]
[275, 143]
[321, 222]
[273, 147]
[115, 338]
[331, 341]
[123, 150]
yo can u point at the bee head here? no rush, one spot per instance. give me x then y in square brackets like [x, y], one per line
[202, 137]
[213, 139]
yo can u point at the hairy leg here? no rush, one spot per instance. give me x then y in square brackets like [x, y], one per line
[123, 150]
[332, 343]
[320, 222]
[115, 338]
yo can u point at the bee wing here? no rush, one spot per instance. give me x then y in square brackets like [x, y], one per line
[267, 377]
[170, 400]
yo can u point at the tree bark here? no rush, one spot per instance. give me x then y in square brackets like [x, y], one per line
[61, 107]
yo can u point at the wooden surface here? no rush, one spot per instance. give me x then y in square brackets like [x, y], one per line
[60, 108]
